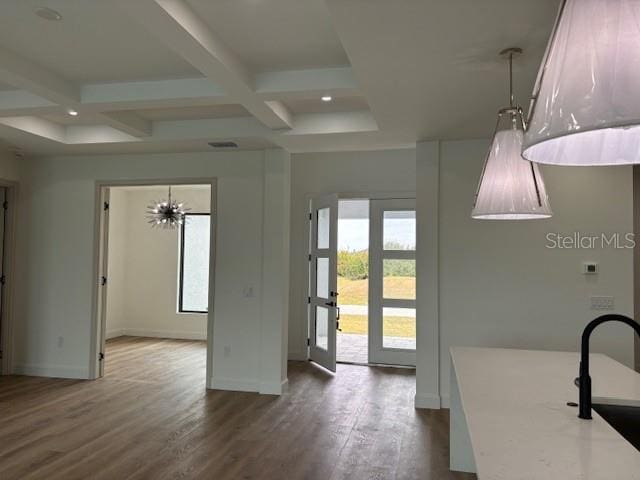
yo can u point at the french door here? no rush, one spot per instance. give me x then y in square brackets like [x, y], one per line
[392, 282]
[323, 278]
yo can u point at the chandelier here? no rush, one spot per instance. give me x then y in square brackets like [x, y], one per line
[166, 213]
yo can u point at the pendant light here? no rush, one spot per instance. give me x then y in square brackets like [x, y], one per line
[510, 187]
[586, 102]
[168, 213]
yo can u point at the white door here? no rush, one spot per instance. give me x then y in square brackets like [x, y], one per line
[392, 282]
[102, 280]
[323, 278]
[3, 326]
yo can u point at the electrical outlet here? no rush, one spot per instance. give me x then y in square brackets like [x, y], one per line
[602, 303]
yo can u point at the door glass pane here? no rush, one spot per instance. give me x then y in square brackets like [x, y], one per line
[322, 327]
[399, 281]
[399, 230]
[323, 217]
[399, 328]
[322, 277]
[194, 276]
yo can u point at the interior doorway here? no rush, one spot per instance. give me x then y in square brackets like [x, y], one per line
[362, 280]
[155, 276]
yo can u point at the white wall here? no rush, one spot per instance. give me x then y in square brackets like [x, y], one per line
[501, 287]
[144, 266]
[54, 334]
[346, 173]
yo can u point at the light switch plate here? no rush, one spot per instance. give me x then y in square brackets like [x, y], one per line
[602, 303]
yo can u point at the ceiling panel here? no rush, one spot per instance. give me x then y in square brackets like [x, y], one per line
[94, 42]
[431, 68]
[275, 34]
[315, 105]
[194, 113]
[4, 87]
[66, 119]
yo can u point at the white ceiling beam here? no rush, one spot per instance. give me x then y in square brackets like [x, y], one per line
[26, 75]
[219, 128]
[87, 134]
[42, 83]
[127, 122]
[36, 126]
[181, 29]
[20, 102]
[152, 94]
[337, 82]
[329, 123]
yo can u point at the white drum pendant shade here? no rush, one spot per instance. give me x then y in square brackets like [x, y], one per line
[587, 97]
[511, 187]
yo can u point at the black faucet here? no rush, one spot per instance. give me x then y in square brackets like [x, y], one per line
[584, 381]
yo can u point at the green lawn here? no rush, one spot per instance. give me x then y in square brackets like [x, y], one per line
[394, 326]
[356, 292]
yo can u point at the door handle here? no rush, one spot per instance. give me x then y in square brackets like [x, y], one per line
[330, 304]
[338, 314]
[338, 326]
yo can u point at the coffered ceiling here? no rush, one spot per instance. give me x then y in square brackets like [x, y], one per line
[173, 75]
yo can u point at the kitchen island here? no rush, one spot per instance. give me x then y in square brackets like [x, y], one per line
[510, 419]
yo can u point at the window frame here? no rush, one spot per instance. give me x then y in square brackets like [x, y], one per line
[181, 272]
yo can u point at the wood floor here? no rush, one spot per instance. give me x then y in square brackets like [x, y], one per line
[150, 417]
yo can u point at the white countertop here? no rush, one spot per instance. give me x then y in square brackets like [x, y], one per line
[520, 427]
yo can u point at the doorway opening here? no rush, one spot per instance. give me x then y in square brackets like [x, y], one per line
[154, 281]
[362, 279]
[353, 281]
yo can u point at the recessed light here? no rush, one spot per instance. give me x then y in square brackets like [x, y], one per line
[72, 112]
[48, 13]
[327, 98]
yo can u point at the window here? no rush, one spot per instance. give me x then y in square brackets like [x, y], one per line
[194, 263]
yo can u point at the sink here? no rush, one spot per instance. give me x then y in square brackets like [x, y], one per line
[624, 419]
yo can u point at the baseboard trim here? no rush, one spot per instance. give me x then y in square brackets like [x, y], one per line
[274, 388]
[137, 332]
[233, 385]
[51, 371]
[263, 388]
[116, 332]
[429, 401]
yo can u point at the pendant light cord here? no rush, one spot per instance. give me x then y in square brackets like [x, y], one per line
[511, 99]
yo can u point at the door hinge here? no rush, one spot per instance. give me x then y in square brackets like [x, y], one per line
[308, 342]
[310, 257]
[5, 205]
[0, 354]
[310, 216]
[100, 356]
[103, 281]
[308, 299]
[106, 206]
[3, 280]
